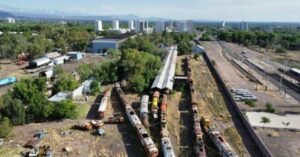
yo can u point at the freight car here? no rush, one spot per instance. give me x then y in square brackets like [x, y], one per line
[155, 98]
[198, 134]
[167, 147]
[103, 104]
[163, 114]
[143, 135]
[8, 80]
[144, 110]
[225, 150]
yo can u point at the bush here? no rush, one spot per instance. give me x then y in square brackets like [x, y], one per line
[95, 87]
[270, 108]
[213, 62]
[280, 50]
[5, 128]
[196, 56]
[250, 103]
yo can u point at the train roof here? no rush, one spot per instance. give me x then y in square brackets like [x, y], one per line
[296, 70]
[165, 78]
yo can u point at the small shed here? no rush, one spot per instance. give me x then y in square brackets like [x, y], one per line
[198, 49]
[76, 55]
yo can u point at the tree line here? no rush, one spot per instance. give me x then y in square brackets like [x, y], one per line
[37, 39]
[270, 40]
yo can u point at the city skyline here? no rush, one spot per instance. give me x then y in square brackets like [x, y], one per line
[229, 10]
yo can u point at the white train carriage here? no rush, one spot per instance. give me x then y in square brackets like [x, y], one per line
[167, 147]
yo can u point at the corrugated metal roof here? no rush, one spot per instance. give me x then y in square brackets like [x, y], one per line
[59, 97]
[165, 79]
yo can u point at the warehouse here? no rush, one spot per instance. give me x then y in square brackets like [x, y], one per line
[102, 45]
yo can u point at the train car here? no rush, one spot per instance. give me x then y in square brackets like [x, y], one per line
[295, 73]
[225, 150]
[144, 110]
[155, 99]
[167, 147]
[143, 135]
[103, 105]
[8, 80]
[39, 62]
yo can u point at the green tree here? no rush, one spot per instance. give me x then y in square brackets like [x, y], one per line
[65, 109]
[5, 128]
[137, 83]
[95, 87]
[85, 71]
[65, 82]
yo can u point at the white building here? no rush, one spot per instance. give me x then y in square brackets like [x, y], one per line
[190, 25]
[116, 25]
[244, 26]
[223, 24]
[98, 26]
[130, 25]
[10, 20]
[141, 26]
[159, 26]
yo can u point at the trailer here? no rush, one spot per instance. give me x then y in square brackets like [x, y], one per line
[8, 80]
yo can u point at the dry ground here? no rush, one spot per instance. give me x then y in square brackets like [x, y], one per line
[234, 79]
[120, 140]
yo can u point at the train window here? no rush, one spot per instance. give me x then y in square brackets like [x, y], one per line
[221, 139]
[145, 135]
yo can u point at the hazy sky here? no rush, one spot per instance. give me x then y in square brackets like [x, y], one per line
[235, 10]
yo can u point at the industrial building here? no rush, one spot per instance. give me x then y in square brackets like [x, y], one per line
[159, 26]
[102, 45]
[98, 26]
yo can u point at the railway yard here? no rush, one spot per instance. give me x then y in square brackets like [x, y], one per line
[265, 91]
[193, 118]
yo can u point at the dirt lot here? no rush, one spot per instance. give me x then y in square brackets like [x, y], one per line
[234, 79]
[120, 140]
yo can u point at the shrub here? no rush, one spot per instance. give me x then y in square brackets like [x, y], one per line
[270, 108]
[250, 103]
[280, 50]
[95, 87]
[213, 62]
[5, 128]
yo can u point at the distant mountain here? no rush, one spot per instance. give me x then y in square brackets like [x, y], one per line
[4, 14]
[57, 15]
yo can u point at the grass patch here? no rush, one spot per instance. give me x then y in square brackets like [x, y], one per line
[291, 63]
[250, 103]
[10, 152]
[235, 140]
[83, 109]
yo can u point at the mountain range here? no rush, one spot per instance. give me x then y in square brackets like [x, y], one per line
[57, 15]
